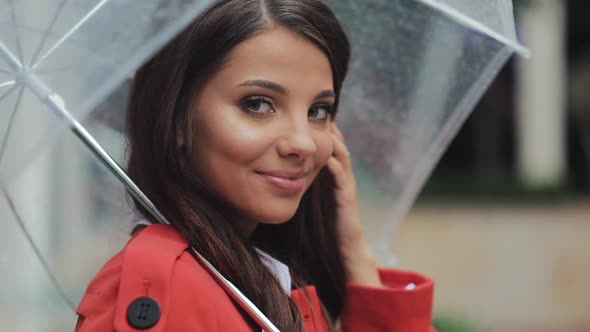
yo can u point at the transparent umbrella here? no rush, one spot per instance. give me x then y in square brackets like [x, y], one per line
[418, 68]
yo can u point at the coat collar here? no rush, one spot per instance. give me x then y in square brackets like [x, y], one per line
[279, 269]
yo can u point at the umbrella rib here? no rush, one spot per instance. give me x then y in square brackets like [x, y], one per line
[9, 127]
[9, 83]
[58, 11]
[92, 52]
[10, 121]
[477, 26]
[19, 48]
[44, 264]
[2, 70]
[71, 32]
[8, 92]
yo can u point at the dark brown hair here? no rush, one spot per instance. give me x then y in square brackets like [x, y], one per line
[159, 113]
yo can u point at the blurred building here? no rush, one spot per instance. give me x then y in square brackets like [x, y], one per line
[509, 250]
[487, 148]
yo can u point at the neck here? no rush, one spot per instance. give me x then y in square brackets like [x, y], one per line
[246, 227]
[243, 224]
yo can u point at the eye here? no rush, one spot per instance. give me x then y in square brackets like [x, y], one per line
[320, 112]
[257, 105]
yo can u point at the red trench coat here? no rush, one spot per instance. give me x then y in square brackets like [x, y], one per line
[155, 263]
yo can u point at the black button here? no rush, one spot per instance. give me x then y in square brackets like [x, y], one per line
[143, 313]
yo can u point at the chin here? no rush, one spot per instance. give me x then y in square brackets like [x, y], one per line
[276, 218]
[276, 213]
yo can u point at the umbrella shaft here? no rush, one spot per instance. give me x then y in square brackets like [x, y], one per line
[27, 78]
[9, 58]
[57, 106]
[105, 158]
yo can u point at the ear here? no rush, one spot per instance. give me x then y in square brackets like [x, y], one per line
[181, 138]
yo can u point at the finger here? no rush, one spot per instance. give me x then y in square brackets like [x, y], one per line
[341, 153]
[337, 131]
[343, 182]
[335, 167]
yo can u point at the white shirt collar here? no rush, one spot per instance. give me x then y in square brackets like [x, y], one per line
[278, 269]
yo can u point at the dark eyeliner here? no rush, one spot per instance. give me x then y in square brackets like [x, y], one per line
[243, 104]
[330, 110]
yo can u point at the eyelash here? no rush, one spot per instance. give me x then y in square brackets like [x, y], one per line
[243, 104]
[329, 110]
[265, 100]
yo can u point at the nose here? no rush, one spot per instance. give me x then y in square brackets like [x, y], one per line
[297, 140]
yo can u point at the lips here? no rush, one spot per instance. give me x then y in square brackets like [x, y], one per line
[287, 181]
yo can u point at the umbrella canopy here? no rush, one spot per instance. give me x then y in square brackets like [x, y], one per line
[418, 68]
[76, 52]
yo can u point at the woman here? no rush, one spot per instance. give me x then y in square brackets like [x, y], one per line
[231, 135]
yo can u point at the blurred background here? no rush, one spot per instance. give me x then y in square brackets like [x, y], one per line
[503, 223]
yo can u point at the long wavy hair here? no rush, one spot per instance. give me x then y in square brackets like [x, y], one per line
[159, 114]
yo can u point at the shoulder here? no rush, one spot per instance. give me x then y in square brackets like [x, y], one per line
[155, 264]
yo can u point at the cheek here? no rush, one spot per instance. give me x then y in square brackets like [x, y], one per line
[240, 142]
[223, 136]
[325, 148]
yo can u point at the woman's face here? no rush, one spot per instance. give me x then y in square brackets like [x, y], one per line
[261, 126]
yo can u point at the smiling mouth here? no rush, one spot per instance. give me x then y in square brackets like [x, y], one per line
[289, 182]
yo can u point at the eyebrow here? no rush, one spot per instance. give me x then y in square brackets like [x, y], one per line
[281, 89]
[326, 94]
[266, 84]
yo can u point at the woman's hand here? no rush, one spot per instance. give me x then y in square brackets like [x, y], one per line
[359, 261]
